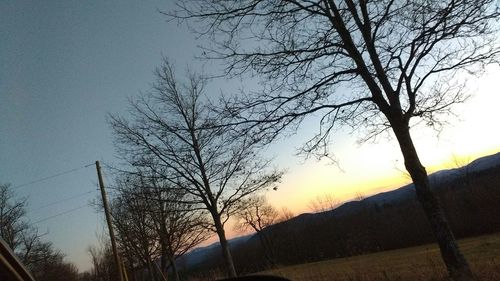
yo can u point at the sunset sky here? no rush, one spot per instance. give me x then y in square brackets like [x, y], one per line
[65, 64]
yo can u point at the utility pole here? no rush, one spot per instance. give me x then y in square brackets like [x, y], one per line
[108, 220]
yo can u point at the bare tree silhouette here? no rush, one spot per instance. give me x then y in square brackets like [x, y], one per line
[40, 257]
[323, 203]
[257, 214]
[370, 65]
[174, 133]
[152, 222]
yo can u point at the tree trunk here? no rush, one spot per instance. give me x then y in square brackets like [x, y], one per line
[456, 263]
[226, 253]
[163, 262]
[164, 249]
[175, 273]
[151, 271]
[266, 247]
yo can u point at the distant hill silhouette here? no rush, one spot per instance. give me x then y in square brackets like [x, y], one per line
[199, 255]
[386, 220]
[436, 179]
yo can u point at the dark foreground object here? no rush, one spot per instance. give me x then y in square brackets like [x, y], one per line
[11, 267]
[257, 278]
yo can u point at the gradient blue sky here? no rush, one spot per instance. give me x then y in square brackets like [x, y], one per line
[65, 64]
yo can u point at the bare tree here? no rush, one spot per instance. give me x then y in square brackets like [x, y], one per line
[179, 228]
[40, 257]
[359, 196]
[174, 133]
[285, 214]
[371, 65]
[135, 231]
[257, 214]
[13, 224]
[103, 264]
[463, 168]
[323, 203]
[169, 227]
[47, 264]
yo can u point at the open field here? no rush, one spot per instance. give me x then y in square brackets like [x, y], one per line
[416, 263]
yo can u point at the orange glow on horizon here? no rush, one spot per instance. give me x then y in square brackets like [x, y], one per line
[297, 191]
[372, 168]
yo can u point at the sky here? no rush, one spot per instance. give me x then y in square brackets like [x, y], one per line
[64, 65]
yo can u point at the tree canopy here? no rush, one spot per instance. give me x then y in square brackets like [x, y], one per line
[371, 65]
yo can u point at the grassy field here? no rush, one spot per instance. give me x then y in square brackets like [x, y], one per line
[416, 263]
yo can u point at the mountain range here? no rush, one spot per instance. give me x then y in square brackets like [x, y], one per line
[406, 192]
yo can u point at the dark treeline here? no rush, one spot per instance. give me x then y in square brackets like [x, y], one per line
[359, 227]
[41, 258]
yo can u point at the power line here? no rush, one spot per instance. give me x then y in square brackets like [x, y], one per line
[53, 176]
[60, 214]
[63, 200]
